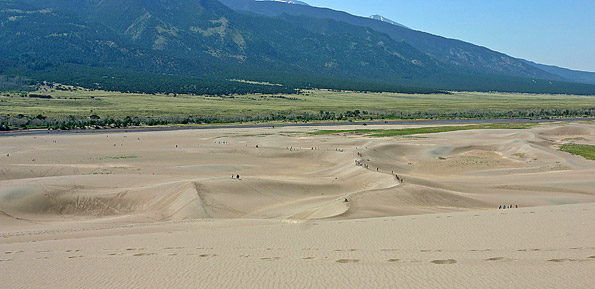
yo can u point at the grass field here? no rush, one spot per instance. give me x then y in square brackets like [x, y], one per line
[584, 150]
[319, 102]
[425, 130]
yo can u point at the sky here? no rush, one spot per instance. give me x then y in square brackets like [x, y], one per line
[553, 32]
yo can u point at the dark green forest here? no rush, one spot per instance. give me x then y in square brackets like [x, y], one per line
[197, 46]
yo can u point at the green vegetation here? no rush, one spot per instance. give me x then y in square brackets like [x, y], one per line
[101, 45]
[121, 157]
[72, 107]
[70, 46]
[425, 130]
[584, 150]
[520, 155]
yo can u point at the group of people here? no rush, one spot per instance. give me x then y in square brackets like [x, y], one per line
[358, 163]
[507, 207]
[361, 164]
[400, 180]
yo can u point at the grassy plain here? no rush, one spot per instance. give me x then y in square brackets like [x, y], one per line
[118, 105]
[424, 130]
[584, 150]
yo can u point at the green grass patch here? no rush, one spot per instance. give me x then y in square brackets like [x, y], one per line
[121, 157]
[425, 130]
[584, 150]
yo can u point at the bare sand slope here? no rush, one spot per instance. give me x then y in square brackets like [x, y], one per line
[540, 247]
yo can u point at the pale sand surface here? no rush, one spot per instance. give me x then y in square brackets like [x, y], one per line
[159, 209]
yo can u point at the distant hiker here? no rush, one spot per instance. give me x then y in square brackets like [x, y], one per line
[516, 206]
[238, 177]
[376, 169]
[500, 207]
[232, 176]
[346, 200]
[256, 146]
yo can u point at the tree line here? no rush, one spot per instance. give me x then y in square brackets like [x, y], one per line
[94, 121]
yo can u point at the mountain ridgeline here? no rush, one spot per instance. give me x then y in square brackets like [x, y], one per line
[198, 46]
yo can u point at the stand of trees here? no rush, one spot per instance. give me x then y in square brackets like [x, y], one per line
[96, 122]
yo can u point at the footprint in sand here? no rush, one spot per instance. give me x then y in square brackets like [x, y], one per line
[394, 260]
[7, 260]
[72, 257]
[347, 261]
[561, 260]
[447, 261]
[308, 258]
[502, 259]
[207, 255]
[591, 257]
[270, 258]
[143, 254]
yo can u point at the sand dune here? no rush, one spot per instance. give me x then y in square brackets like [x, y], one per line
[174, 200]
[181, 175]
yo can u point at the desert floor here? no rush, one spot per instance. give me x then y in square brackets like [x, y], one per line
[165, 209]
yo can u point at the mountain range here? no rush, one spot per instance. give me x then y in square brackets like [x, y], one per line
[198, 43]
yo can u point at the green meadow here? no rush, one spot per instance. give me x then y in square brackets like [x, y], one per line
[330, 104]
[584, 150]
[424, 130]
